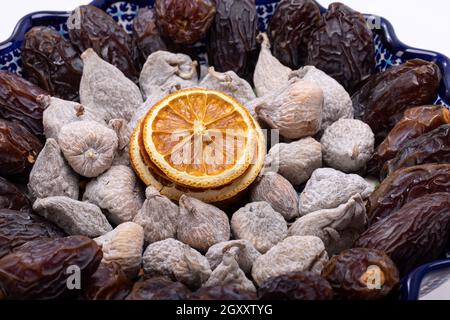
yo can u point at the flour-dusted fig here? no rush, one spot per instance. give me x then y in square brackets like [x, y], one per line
[296, 161]
[338, 228]
[293, 254]
[124, 246]
[117, 192]
[120, 126]
[58, 113]
[201, 225]
[88, 147]
[347, 145]
[163, 68]
[229, 273]
[72, 216]
[270, 74]
[295, 110]
[337, 103]
[158, 216]
[258, 223]
[329, 188]
[246, 255]
[229, 83]
[278, 192]
[51, 175]
[104, 88]
[178, 261]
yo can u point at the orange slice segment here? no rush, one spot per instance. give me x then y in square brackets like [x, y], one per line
[199, 138]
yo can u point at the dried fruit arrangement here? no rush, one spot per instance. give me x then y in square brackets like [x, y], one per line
[149, 173]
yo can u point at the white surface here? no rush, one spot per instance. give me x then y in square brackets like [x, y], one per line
[418, 23]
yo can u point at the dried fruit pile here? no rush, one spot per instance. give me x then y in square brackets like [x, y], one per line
[123, 160]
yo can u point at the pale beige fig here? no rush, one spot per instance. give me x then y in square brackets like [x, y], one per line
[51, 175]
[117, 192]
[229, 83]
[107, 90]
[338, 228]
[164, 68]
[201, 225]
[348, 145]
[295, 110]
[124, 246]
[294, 254]
[246, 255]
[60, 112]
[72, 216]
[158, 216]
[270, 74]
[177, 261]
[88, 147]
[329, 188]
[258, 223]
[337, 102]
[278, 192]
[120, 127]
[228, 273]
[296, 161]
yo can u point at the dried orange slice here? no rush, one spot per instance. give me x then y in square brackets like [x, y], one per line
[199, 138]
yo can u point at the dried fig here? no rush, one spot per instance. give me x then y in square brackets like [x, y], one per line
[51, 176]
[261, 225]
[120, 127]
[294, 254]
[72, 216]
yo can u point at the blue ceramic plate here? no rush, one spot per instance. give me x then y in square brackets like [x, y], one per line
[389, 50]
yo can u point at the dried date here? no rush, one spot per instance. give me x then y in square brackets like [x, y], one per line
[19, 148]
[342, 46]
[52, 63]
[109, 282]
[405, 185]
[416, 234]
[18, 102]
[362, 274]
[290, 29]
[12, 197]
[158, 288]
[232, 44]
[431, 147]
[39, 269]
[381, 101]
[415, 122]
[223, 292]
[91, 27]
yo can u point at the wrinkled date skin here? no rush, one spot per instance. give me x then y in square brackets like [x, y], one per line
[415, 122]
[90, 27]
[18, 148]
[405, 185]
[185, 21]
[432, 147]
[232, 44]
[38, 269]
[385, 96]
[158, 288]
[109, 282]
[343, 47]
[290, 29]
[146, 36]
[355, 273]
[18, 102]
[12, 197]
[52, 63]
[222, 293]
[296, 286]
[414, 235]
[18, 228]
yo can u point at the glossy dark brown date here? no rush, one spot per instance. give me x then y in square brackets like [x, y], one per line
[158, 288]
[222, 293]
[12, 197]
[109, 282]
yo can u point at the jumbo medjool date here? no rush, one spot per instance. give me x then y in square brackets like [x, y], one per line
[109, 282]
[290, 28]
[18, 102]
[232, 42]
[381, 101]
[12, 197]
[158, 288]
[51, 62]
[224, 292]
[342, 46]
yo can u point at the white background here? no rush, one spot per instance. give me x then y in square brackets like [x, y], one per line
[418, 23]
